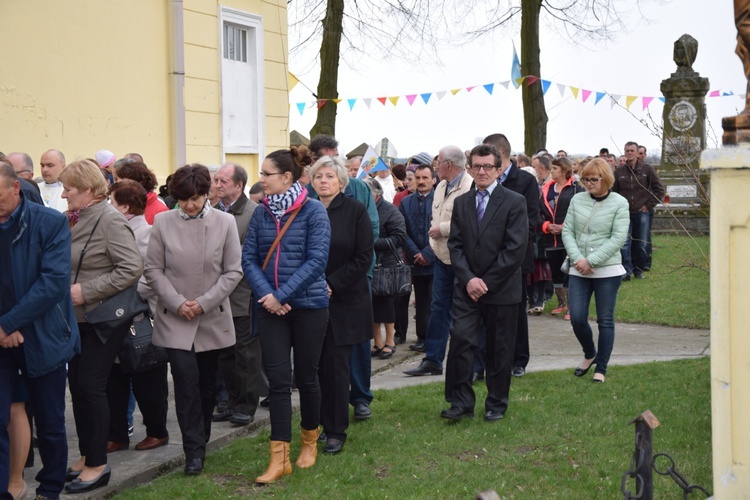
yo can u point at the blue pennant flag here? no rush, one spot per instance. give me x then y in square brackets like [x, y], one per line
[301, 107]
[351, 103]
[599, 97]
[545, 86]
[489, 88]
[426, 97]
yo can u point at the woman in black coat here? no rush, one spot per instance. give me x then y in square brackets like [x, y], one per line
[554, 201]
[388, 252]
[349, 309]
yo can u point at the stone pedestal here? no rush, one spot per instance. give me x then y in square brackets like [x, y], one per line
[684, 139]
[730, 317]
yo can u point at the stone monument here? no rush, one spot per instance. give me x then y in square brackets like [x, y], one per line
[684, 139]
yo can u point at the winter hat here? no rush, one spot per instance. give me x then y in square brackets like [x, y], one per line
[105, 158]
[422, 158]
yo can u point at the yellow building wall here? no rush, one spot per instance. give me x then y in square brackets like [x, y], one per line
[730, 316]
[86, 75]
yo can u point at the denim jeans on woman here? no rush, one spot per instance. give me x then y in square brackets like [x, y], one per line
[579, 298]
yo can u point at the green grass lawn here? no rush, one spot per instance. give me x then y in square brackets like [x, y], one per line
[674, 293]
[563, 437]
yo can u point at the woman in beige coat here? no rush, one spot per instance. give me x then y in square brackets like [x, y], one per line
[110, 264]
[192, 265]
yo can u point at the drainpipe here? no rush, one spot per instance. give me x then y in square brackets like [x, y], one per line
[178, 84]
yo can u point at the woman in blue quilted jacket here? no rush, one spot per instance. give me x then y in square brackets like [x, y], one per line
[284, 258]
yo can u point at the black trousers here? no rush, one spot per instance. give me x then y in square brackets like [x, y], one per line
[303, 330]
[150, 391]
[423, 298]
[334, 387]
[401, 325]
[241, 367]
[194, 375]
[500, 325]
[87, 378]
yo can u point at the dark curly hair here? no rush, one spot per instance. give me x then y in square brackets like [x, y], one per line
[189, 181]
[139, 172]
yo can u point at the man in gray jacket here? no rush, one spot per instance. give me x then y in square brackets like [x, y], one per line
[240, 365]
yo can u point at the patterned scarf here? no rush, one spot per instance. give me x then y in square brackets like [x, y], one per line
[280, 203]
[201, 215]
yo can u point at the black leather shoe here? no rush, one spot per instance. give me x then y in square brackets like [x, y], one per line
[224, 416]
[333, 446]
[457, 413]
[71, 474]
[239, 418]
[418, 346]
[194, 466]
[322, 438]
[580, 372]
[493, 416]
[102, 480]
[425, 368]
[518, 371]
[362, 411]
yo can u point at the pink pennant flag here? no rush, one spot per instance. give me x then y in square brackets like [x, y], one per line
[585, 94]
[645, 101]
[714, 93]
[469, 89]
[411, 98]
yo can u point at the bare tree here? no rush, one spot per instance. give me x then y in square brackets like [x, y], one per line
[415, 29]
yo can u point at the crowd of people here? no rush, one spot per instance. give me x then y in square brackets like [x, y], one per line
[257, 290]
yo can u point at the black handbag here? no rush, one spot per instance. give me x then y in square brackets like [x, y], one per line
[138, 354]
[391, 281]
[117, 310]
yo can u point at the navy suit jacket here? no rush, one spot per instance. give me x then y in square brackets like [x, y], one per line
[495, 250]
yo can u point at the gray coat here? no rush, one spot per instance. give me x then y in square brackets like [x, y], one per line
[242, 210]
[197, 259]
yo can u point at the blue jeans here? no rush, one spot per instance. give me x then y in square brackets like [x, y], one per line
[634, 254]
[360, 370]
[47, 395]
[438, 328]
[579, 298]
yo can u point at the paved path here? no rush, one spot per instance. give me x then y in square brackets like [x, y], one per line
[553, 346]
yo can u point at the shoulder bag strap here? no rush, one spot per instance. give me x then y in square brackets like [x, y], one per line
[83, 250]
[281, 233]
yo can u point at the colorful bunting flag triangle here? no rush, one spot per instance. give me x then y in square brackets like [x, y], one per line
[426, 96]
[630, 100]
[599, 96]
[545, 86]
[382, 100]
[394, 99]
[410, 98]
[645, 101]
[585, 94]
[455, 91]
[561, 87]
[489, 88]
[351, 103]
[301, 107]
[368, 101]
[575, 92]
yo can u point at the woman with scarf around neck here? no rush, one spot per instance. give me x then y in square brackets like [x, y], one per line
[193, 263]
[594, 231]
[284, 258]
[111, 264]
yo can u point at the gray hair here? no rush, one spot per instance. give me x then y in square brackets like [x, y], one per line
[239, 174]
[26, 159]
[546, 163]
[336, 164]
[7, 172]
[374, 186]
[454, 155]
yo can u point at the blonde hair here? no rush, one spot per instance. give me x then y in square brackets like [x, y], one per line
[84, 175]
[336, 164]
[600, 168]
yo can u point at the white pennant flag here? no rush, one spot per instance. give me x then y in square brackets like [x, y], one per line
[614, 98]
[561, 88]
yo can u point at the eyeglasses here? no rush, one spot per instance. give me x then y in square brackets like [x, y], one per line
[487, 167]
[592, 180]
[268, 174]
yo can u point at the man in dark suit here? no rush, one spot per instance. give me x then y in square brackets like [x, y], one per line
[513, 178]
[487, 243]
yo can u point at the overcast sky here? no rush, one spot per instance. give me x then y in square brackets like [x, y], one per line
[634, 63]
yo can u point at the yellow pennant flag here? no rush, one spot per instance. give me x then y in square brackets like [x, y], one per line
[394, 99]
[519, 81]
[455, 91]
[292, 80]
[336, 100]
[575, 92]
[630, 100]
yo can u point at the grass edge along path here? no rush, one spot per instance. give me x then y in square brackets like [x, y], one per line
[563, 437]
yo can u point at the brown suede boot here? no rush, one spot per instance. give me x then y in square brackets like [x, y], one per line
[280, 464]
[309, 451]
